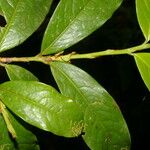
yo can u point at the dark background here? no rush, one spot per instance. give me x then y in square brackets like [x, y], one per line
[117, 74]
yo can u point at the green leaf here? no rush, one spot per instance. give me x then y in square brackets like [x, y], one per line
[42, 106]
[143, 64]
[77, 83]
[7, 120]
[5, 140]
[143, 13]
[74, 20]
[18, 73]
[105, 127]
[25, 139]
[23, 17]
[1, 13]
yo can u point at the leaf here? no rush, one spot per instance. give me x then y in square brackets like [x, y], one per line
[23, 18]
[74, 20]
[77, 83]
[42, 106]
[143, 12]
[143, 64]
[25, 139]
[105, 127]
[7, 120]
[5, 140]
[18, 73]
[1, 13]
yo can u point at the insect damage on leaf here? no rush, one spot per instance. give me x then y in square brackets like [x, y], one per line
[77, 128]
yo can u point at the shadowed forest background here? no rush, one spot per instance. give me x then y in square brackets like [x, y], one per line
[117, 74]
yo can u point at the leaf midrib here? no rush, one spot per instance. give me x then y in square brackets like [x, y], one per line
[26, 99]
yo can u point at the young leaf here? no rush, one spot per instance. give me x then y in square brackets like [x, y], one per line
[74, 20]
[23, 17]
[143, 12]
[143, 64]
[42, 106]
[105, 127]
[18, 73]
[25, 139]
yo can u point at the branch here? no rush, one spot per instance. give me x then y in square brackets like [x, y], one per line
[59, 57]
[128, 51]
[38, 58]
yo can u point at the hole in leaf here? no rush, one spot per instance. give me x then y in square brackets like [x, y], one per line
[83, 133]
[2, 21]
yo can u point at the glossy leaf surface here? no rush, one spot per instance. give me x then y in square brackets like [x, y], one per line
[23, 17]
[74, 82]
[19, 73]
[143, 13]
[73, 20]
[105, 127]
[42, 106]
[25, 139]
[143, 64]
